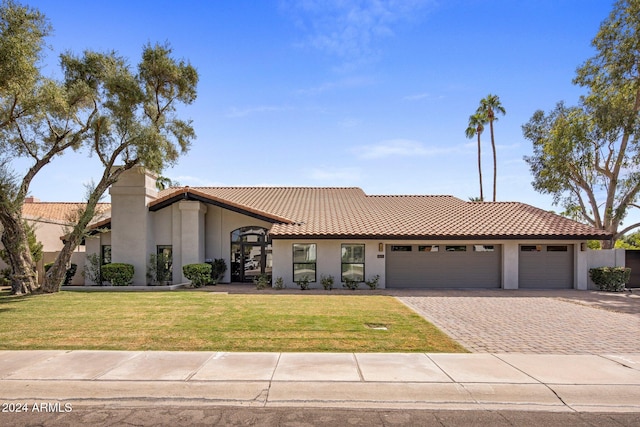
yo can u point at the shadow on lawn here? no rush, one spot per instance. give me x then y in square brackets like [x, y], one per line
[7, 300]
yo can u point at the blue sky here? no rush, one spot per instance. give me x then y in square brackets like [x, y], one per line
[374, 94]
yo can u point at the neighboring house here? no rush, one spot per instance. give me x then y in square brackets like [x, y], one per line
[51, 221]
[292, 232]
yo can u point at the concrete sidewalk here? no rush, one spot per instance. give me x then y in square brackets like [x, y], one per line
[583, 383]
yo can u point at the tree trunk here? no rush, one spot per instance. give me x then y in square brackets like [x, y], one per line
[480, 168]
[608, 244]
[24, 276]
[54, 278]
[495, 165]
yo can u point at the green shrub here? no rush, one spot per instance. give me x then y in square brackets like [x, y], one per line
[92, 269]
[327, 282]
[350, 284]
[303, 282]
[199, 274]
[218, 268]
[118, 274]
[262, 281]
[611, 279]
[279, 283]
[373, 282]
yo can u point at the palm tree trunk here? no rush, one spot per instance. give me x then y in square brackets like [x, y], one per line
[495, 165]
[480, 169]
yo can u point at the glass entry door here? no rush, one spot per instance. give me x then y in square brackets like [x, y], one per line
[250, 254]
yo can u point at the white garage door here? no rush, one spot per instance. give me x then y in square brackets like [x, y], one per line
[443, 266]
[545, 267]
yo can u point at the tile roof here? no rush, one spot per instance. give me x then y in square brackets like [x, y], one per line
[59, 212]
[327, 212]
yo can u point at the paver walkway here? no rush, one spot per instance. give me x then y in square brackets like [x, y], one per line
[546, 324]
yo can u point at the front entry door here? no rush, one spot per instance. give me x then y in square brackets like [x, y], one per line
[250, 254]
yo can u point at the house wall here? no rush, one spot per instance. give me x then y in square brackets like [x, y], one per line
[329, 260]
[48, 233]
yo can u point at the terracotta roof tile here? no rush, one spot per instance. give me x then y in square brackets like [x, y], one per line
[348, 212]
[59, 212]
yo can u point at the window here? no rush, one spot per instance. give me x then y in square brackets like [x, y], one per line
[105, 254]
[557, 248]
[483, 248]
[401, 248]
[353, 262]
[429, 248]
[530, 248]
[304, 261]
[249, 234]
[456, 248]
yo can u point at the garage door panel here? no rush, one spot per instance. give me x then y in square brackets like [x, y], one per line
[545, 268]
[443, 269]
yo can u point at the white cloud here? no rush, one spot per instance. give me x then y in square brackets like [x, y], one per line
[350, 29]
[401, 148]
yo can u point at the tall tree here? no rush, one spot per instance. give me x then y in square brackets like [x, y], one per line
[136, 124]
[123, 118]
[489, 107]
[24, 95]
[475, 128]
[588, 156]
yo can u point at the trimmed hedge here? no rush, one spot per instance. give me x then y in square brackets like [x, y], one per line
[118, 274]
[199, 274]
[611, 279]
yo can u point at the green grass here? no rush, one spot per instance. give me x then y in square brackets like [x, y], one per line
[215, 322]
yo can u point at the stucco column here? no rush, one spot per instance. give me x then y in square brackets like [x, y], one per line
[193, 233]
[131, 231]
[581, 269]
[510, 258]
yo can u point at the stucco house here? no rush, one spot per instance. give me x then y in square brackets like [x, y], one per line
[291, 232]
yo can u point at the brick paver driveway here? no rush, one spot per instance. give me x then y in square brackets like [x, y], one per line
[560, 322]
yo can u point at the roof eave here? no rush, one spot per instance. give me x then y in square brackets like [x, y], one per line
[437, 237]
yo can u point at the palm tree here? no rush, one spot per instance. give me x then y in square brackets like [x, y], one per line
[490, 106]
[163, 183]
[475, 128]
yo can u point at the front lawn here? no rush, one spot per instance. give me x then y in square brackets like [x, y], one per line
[215, 322]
